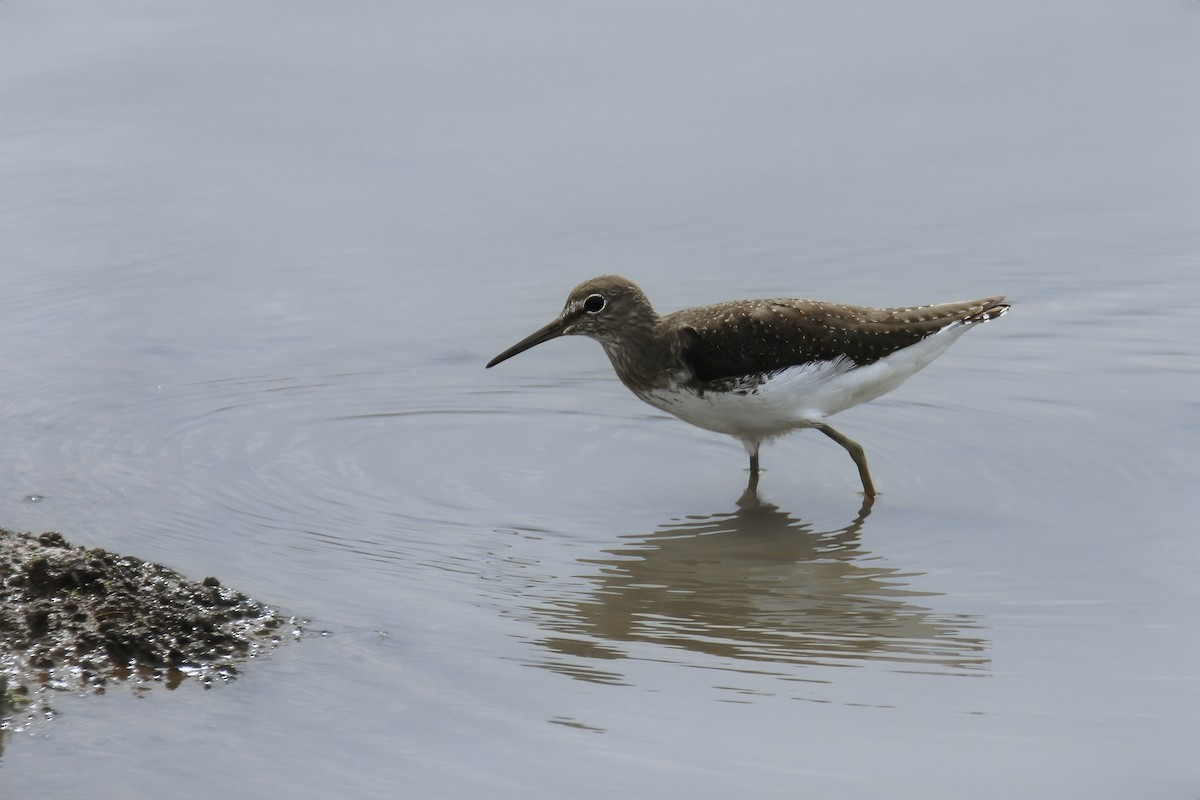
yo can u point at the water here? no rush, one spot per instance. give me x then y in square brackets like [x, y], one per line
[255, 258]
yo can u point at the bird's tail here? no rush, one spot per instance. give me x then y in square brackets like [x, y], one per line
[987, 308]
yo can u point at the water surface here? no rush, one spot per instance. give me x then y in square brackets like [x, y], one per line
[255, 259]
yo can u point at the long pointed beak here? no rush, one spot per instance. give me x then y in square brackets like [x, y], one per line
[552, 331]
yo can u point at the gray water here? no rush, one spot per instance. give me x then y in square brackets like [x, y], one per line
[255, 255]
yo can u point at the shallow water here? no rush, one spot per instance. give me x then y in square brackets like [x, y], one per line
[255, 259]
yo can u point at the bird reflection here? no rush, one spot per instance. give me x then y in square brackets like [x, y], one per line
[758, 590]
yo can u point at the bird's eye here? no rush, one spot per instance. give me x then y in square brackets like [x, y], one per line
[594, 304]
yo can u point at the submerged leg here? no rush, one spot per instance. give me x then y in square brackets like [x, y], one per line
[856, 452]
[749, 498]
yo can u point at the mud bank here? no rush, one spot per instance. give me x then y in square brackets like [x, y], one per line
[78, 619]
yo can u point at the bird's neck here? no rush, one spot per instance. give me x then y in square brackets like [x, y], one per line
[642, 355]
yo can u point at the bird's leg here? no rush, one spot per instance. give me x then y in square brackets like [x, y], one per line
[749, 498]
[856, 452]
[753, 485]
[752, 448]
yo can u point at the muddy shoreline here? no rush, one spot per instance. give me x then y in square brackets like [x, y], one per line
[78, 619]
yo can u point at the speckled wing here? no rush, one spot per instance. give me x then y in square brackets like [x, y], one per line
[732, 340]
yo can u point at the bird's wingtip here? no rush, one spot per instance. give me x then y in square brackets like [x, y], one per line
[990, 308]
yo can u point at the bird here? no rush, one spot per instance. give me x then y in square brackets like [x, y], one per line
[759, 369]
